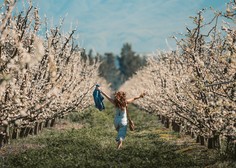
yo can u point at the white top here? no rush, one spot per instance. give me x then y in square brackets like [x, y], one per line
[121, 116]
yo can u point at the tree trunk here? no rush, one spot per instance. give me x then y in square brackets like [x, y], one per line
[40, 126]
[210, 143]
[22, 132]
[15, 133]
[202, 140]
[234, 156]
[31, 131]
[27, 131]
[193, 134]
[217, 141]
[7, 136]
[53, 121]
[47, 123]
[175, 127]
[162, 119]
[1, 140]
[36, 128]
[167, 123]
[231, 147]
[198, 139]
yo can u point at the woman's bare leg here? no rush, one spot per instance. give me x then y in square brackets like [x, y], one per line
[119, 144]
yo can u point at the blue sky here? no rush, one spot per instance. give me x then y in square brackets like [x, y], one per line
[105, 25]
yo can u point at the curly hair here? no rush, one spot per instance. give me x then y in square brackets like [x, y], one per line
[120, 99]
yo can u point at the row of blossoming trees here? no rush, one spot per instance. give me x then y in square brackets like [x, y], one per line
[194, 89]
[40, 79]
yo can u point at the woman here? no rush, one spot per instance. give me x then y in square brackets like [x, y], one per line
[121, 121]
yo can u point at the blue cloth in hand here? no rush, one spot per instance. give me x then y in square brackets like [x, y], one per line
[98, 99]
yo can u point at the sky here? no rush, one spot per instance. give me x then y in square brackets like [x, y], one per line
[105, 25]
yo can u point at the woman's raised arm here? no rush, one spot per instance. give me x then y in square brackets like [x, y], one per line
[135, 98]
[108, 97]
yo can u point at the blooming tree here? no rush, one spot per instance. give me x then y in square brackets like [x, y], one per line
[194, 87]
[41, 79]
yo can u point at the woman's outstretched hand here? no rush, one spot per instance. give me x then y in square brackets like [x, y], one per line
[142, 95]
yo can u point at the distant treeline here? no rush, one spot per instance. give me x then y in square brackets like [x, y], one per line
[116, 69]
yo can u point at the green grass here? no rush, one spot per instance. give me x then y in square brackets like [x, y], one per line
[94, 145]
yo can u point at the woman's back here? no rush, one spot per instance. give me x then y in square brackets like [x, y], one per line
[121, 112]
[121, 116]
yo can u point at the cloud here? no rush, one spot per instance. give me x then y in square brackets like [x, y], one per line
[105, 25]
